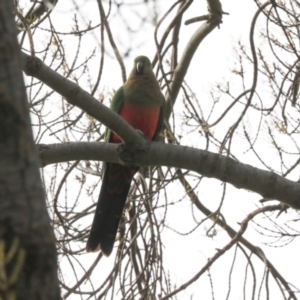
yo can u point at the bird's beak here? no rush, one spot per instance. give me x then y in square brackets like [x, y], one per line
[139, 68]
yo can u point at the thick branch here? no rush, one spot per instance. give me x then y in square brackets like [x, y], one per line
[267, 184]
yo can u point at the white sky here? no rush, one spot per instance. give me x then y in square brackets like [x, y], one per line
[211, 64]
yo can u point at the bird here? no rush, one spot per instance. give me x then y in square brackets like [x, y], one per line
[141, 103]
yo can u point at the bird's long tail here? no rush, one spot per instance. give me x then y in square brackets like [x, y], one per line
[114, 190]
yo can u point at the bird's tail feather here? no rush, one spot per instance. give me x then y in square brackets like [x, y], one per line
[109, 209]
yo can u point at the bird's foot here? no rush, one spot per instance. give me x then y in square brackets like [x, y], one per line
[141, 133]
[127, 154]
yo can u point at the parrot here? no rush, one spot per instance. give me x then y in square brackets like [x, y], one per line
[141, 103]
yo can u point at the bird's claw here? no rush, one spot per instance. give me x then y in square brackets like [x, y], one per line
[140, 133]
[127, 154]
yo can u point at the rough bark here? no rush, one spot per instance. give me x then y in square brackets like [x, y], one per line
[28, 260]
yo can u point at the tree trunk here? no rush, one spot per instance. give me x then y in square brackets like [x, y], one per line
[28, 260]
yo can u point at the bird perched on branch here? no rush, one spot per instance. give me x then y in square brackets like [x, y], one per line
[140, 102]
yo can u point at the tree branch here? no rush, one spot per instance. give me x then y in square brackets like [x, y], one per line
[186, 58]
[242, 176]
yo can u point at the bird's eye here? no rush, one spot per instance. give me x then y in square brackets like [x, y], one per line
[139, 67]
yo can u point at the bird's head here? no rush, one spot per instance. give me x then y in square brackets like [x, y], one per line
[142, 65]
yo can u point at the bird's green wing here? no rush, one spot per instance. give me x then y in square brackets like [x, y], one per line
[116, 106]
[161, 119]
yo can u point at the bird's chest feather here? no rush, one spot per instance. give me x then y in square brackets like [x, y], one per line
[139, 117]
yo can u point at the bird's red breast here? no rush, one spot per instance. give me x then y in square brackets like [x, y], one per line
[144, 119]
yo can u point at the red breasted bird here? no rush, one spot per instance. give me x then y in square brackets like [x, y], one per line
[140, 102]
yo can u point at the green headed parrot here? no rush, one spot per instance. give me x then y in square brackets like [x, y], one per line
[140, 102]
